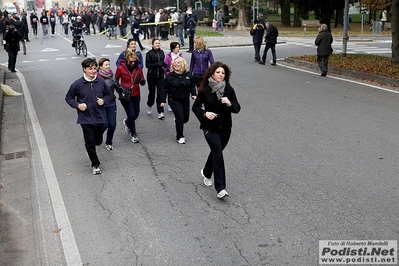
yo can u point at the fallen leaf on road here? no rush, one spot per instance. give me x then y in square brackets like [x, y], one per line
[69, 174]
[1, 205]
[57, 230]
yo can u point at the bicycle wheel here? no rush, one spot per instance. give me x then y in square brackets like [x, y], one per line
[84, 48]
[77, 47]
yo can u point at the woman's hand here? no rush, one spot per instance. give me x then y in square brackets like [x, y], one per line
[193, 97]
[226, 101]
[162, 104]
[100, 101]
[210, 115]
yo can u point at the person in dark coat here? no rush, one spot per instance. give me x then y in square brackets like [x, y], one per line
[215, 102]
[190, 31]
[257, 32]
[88, 95]
[178, 86]
[12, 38]
[87, 20]
[2, 28]
[22, 30]
[271, 40]
[323, 42]
[24, 21]
[154, 62]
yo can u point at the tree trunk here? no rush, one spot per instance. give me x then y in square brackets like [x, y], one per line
[285, 13]
[242, 18]
[395, 32]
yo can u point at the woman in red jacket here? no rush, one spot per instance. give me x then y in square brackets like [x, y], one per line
[129, 74]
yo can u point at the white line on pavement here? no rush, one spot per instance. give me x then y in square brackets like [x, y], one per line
[343, 79]
[71, 251]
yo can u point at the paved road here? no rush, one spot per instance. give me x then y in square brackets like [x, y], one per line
[309, 159]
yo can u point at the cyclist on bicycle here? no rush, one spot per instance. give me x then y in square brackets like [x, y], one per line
[77, 29]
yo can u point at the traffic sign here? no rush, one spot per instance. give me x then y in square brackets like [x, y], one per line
[215, 3]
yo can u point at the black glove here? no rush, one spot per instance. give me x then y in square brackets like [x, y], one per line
[118, 87]
[142, 81]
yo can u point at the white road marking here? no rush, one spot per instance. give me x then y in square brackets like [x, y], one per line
[70, 248]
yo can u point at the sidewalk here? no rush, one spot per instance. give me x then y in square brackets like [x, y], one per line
[17, 237]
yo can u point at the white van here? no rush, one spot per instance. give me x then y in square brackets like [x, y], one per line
[11, 9]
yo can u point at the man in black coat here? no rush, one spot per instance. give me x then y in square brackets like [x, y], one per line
[323, 42]
[12, 38]
[271, 40]
[257, 32]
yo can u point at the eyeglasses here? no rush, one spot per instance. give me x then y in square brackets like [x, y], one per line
[131, 62]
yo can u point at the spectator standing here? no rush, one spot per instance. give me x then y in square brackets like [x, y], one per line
[219, 17]
[271, 41]
[323, 42]
[22, 30]
[65, 22]
[93, 20]
[111, 23]
[257, 32]
[164, 27]
[144, 20]
[87, 20]
[201, 59]
[151, 19]
[2, 28]
[383, 18]
[215, 103]
[190, 31]
[88, 95]
[175, 19]
[104, 71]
[180, 27]
[157, 26]
[122, 24]
[178, 86]
[12, 38]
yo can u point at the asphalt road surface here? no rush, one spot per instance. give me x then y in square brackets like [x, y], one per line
[310, 159]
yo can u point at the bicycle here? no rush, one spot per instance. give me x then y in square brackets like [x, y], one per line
[80, 45]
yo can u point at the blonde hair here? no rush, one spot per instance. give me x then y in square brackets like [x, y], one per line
[200, 43]
[184, 65]
[130, 53]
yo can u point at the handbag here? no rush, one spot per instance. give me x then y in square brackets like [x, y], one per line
[124, 93]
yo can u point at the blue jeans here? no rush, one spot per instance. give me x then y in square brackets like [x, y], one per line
[132, 109]
[180, 34]
[220, 23]
[111, 30]
[110, 111]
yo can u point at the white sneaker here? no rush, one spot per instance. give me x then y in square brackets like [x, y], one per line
[109, 147]
[223, 193]
[161, 116]
[135, 139]
[207, 181]
[127, 129]
[149, 110]
[181, 140]
[96, 170]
